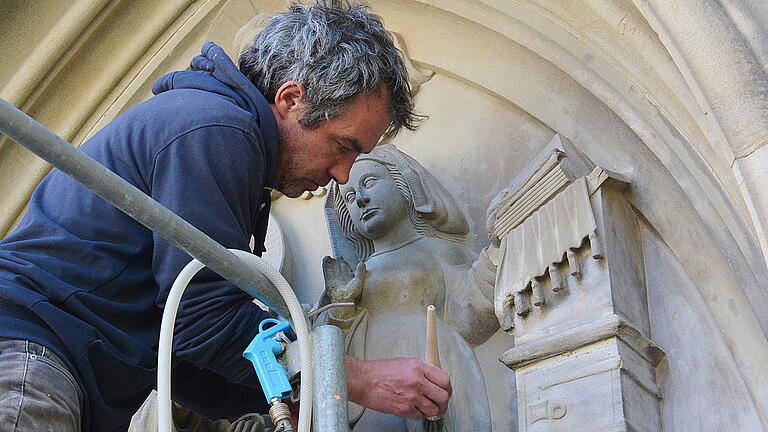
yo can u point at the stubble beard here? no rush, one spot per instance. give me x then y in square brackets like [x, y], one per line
[288, 159]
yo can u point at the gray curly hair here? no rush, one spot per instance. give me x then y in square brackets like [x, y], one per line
[336, 51]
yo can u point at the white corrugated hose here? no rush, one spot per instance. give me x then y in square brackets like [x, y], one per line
[299, 321]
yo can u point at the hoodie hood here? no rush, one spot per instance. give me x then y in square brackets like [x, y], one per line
[213, 71]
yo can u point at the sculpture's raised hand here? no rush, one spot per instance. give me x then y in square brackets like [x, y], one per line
[342, 285]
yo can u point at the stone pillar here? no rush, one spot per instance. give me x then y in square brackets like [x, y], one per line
[599, 376]
[570, 289]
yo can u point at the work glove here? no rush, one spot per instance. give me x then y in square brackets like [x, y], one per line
[250, 423]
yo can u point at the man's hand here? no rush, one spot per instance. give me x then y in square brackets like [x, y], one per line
[405, 387]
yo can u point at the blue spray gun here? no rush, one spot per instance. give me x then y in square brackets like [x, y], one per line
[263, 352]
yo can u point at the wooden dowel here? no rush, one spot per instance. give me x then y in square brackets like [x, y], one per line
[432, 355]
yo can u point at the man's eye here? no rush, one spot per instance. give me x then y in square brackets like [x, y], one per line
[343, 148]
[349, 196]
[370, 181]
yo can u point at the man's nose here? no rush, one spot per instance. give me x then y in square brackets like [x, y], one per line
[362, 199]
[340, 170]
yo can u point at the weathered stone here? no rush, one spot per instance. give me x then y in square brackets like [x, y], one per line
[404, 234]
[583, 362]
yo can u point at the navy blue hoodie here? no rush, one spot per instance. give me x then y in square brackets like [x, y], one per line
[89, 282]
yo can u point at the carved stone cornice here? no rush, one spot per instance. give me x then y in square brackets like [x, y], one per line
[581, 336]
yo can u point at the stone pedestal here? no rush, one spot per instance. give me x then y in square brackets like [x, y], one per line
[570, 288]
[597, 377]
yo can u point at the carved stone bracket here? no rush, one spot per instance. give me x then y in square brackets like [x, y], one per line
[570, 288]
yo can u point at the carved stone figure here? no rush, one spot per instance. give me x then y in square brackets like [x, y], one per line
[405, 236]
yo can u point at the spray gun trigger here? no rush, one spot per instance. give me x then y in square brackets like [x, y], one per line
[263, 352]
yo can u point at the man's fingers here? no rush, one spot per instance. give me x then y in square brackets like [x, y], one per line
[438, 387]
[426, 409]
[438, 398]
[438, 377]
[421, 409]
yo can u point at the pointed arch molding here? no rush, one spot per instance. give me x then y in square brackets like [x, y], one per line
[672, 95]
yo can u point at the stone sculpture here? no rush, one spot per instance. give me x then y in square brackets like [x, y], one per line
[405, 236]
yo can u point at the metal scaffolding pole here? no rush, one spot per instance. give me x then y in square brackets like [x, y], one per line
[58, 152]
[330, 398]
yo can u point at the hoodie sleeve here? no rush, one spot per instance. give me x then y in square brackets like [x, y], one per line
[211, 177]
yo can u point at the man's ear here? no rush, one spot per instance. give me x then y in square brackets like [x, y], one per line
[289, 98]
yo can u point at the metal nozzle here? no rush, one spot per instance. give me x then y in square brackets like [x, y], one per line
[281, 416]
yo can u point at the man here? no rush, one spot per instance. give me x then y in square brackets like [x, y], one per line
[82, 285]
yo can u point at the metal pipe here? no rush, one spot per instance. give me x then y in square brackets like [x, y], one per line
[330, 398]
[58, 152]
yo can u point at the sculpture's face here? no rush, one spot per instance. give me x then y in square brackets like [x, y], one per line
[373, 201]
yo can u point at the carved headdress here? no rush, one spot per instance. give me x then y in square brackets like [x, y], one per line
[432, 209]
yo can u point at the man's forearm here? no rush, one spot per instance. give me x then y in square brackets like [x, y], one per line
[356, 378]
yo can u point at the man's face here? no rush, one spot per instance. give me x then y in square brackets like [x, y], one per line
[310, 158]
